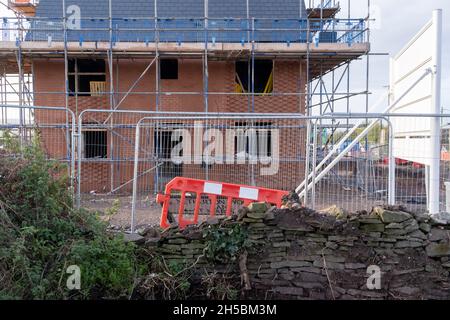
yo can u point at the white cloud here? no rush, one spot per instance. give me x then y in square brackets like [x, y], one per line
[401, 20]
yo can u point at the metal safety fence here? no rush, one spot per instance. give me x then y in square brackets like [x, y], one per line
[128, 156]
[107, 146]
[263, 150]
[53, 128]
[357, 168]
[247, 149]
[383, 159]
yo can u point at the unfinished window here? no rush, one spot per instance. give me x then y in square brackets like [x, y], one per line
[263, 76]
[169, 69]
[95, 144]
[87, 77]
[253, 140]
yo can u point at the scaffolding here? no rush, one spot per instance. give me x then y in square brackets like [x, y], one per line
[324, 39]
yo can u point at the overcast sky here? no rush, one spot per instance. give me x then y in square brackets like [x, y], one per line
[397, 22]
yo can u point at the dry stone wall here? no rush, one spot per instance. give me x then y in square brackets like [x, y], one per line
[301, 254]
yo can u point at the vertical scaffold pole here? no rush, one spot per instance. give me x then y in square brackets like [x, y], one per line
[206, 76]
[69, 141]
[111, 92]
[205, 61]
[252, 137]
[368, 160]
[308, 109]
[157, 98]
[249, 67]
[157, 61]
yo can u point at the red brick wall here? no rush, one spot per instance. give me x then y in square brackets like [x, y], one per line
[289, 76]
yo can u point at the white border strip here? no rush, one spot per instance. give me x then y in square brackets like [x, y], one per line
[248, 193]
[213, 188]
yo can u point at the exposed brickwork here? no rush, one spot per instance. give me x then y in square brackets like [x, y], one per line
[289, 76]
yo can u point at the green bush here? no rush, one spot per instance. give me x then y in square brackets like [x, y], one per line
[225, 243]
[41, 234]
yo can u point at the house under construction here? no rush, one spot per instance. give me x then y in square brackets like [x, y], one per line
[212, 56]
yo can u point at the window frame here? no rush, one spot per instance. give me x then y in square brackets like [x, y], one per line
[76, 74]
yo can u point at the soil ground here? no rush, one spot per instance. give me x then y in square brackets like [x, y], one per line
[148, 214]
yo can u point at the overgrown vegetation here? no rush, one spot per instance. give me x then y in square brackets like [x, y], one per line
[225, 244]
[170, 281]
[41, 234]
[182, 281]
[220, 286]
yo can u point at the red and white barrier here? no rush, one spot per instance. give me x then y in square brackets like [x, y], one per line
[213, 190]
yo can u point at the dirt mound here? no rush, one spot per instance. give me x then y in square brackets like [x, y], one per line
[304, 219]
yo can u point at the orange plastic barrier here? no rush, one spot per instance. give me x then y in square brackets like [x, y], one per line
[213, 190]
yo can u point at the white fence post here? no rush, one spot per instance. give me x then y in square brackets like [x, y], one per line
[436, 122]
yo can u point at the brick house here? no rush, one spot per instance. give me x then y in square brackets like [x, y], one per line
[227, 62]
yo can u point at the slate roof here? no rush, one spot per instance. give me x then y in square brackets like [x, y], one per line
[220, 12]
[178, 8]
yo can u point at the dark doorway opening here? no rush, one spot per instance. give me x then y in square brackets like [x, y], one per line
[260, 146]
[95, 144]
[167, 168]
